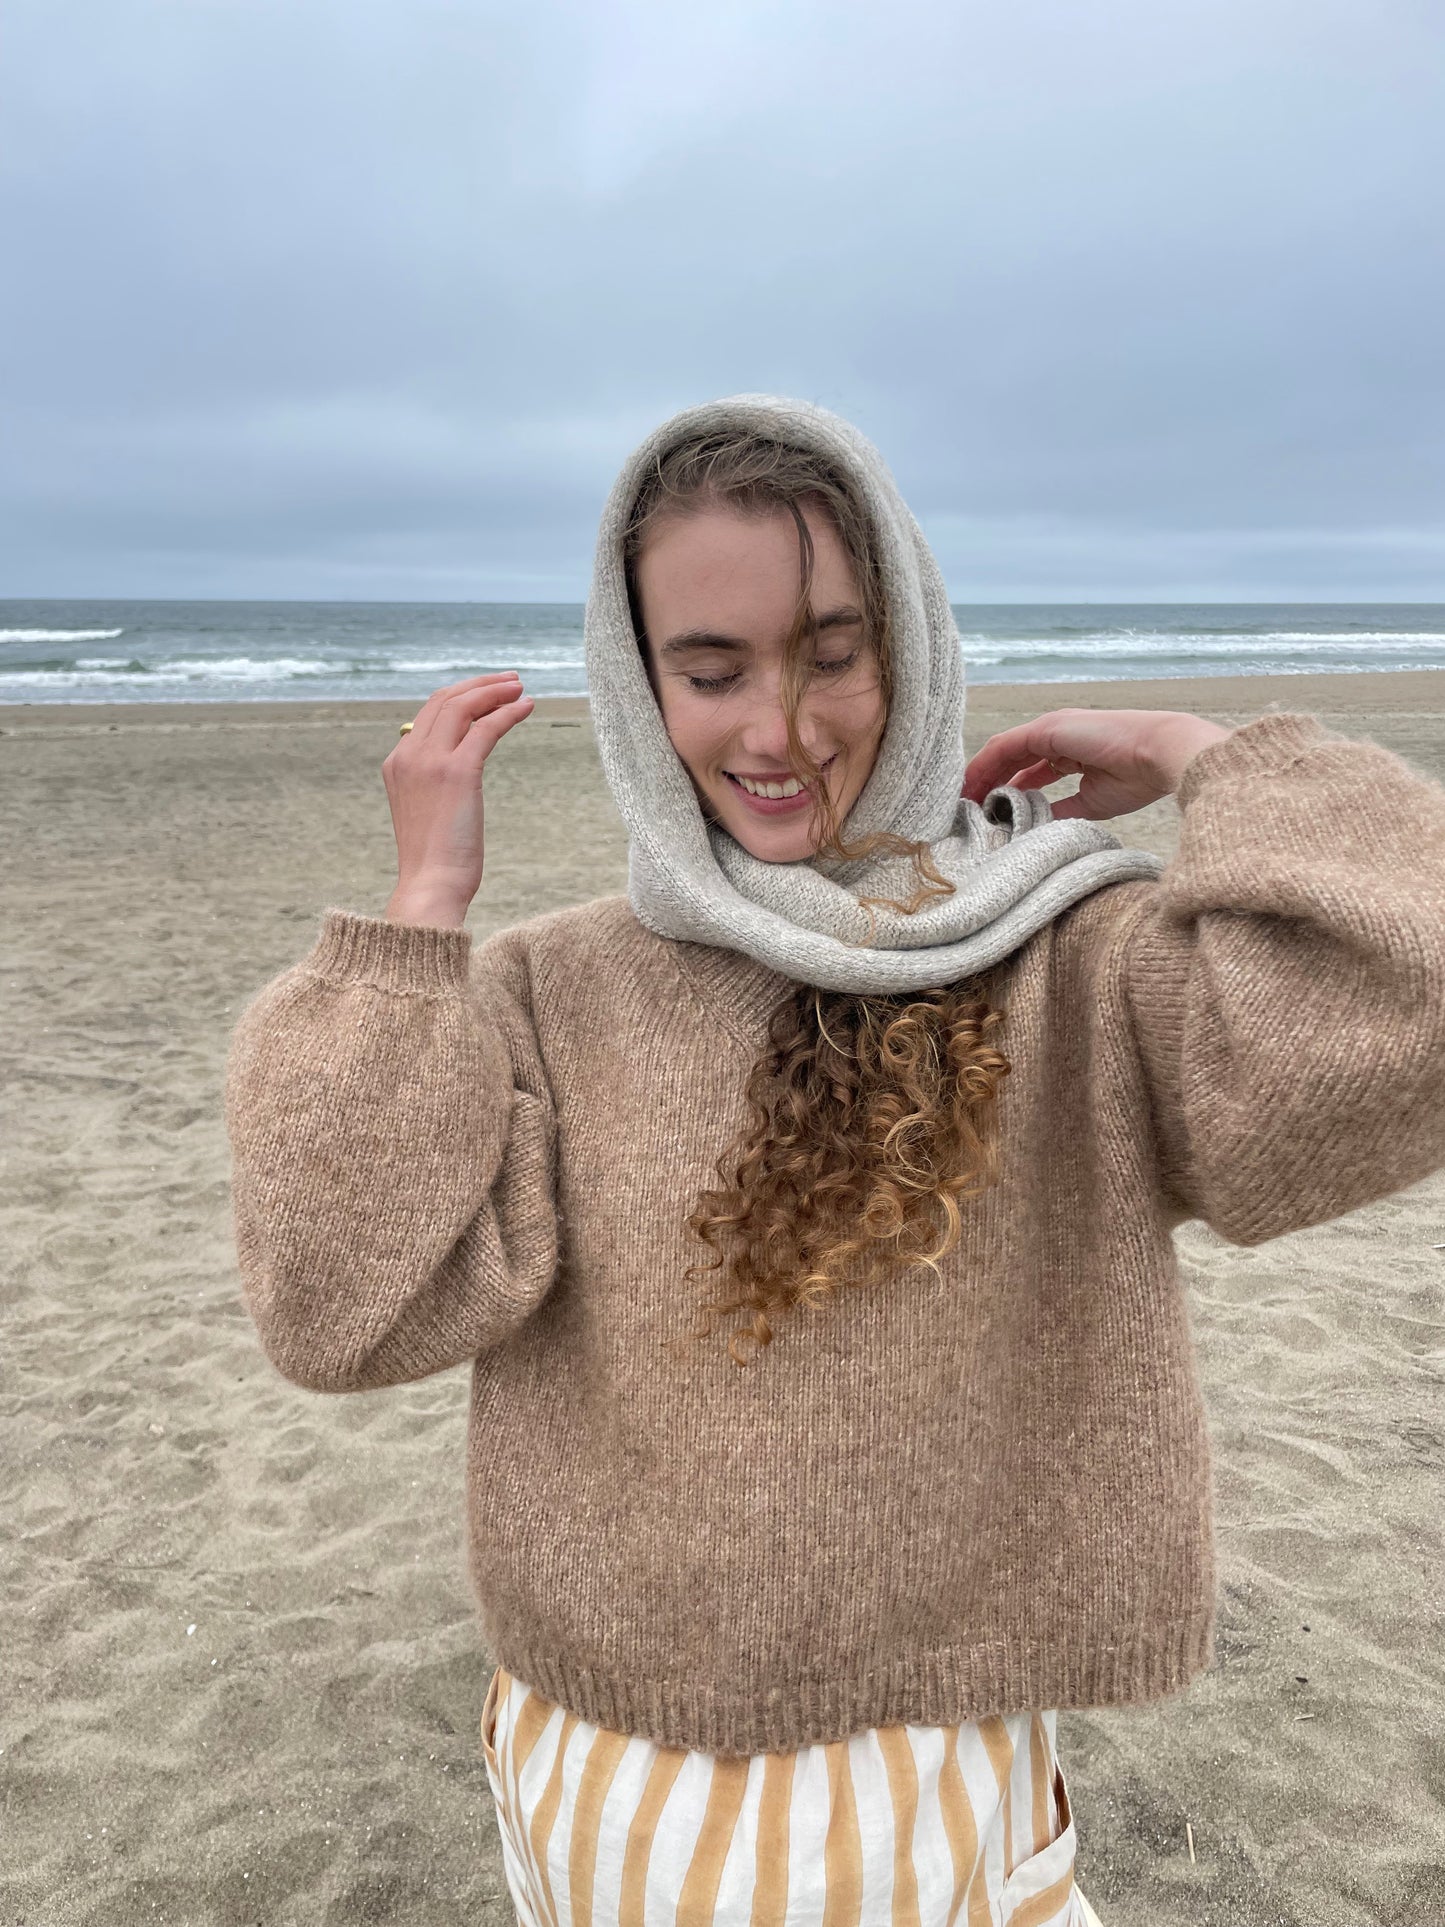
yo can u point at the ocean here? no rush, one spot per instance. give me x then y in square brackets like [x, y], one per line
[195, 652]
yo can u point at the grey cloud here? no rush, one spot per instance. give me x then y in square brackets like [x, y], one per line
[374, 300]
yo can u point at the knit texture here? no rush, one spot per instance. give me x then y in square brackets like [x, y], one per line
[934, 1498]
[1012, 866]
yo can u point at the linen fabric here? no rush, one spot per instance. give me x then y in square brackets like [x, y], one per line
[1013, 867]
[934, 1498]
[915, 1826]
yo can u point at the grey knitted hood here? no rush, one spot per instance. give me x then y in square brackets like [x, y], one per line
[1013, 866]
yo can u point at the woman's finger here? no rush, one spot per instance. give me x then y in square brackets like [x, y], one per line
[487, 731]
[459, 710]
[425, 718]
[1003, 756]
[1035, 777]
[1070, 739]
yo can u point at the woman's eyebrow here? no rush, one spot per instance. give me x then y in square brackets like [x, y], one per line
[700, 639]
[842, 618]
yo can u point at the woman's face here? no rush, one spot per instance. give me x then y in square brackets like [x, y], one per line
[718, 591]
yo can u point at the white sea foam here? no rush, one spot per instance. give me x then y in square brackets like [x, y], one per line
[93, 670]
[1234, 645]
[65, 678]
[404, 665]
[60, 635]
[238, 668]
[1352, 636]
[190, 669]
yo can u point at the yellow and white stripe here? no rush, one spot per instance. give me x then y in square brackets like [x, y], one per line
[901, 1826]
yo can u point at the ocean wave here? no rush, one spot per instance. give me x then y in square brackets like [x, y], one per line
[242, 668]
[62, 679]
[1287, 642]
[60, 635]
[100, 669]
[521, 662]
[255, 668]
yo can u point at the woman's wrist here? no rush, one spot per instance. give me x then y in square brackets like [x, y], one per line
[1179, 740]
[437, 909]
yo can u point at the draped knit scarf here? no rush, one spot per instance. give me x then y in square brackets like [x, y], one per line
[1013, 866]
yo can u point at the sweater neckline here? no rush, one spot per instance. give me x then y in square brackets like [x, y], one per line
[736, 989]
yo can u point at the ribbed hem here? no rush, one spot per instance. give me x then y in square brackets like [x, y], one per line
[392, 956]
[930, 1689]
[1268, 743]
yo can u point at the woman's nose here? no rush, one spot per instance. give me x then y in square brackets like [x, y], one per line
[766, 731]
[765, 736]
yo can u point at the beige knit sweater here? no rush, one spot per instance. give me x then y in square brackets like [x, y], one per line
[933, 1499]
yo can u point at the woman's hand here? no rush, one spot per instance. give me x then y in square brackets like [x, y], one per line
[1127, 757]
[434, 785]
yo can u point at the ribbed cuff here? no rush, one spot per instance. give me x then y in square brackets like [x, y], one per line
[392, 956]
[1268, 743]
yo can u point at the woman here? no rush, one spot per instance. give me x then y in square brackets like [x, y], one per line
[916, 1075]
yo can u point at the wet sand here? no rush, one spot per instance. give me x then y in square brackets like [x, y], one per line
[240, 1670]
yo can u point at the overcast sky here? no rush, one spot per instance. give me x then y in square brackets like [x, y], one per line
[1142, 299]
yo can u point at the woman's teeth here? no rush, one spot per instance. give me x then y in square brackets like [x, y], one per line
[790, 788]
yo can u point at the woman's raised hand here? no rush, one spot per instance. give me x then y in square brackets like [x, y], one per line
[433, 782]
[1126, 757]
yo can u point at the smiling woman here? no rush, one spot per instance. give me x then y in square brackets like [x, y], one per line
[721, 688]
[757, 607]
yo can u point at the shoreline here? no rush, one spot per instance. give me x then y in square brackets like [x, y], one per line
[1343, 692]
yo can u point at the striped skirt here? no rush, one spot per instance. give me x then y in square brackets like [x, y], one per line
[901, 1826]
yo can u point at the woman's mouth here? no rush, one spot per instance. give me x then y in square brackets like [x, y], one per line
[773, 796]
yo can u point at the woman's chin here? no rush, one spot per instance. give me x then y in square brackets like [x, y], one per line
[799, 848]
[784, 840]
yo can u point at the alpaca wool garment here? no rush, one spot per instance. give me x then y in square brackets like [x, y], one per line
[1012, 866]
[936, 1497]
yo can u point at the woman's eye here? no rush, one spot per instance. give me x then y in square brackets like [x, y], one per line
[825, 666]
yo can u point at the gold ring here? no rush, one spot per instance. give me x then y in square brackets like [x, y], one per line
[404, 728]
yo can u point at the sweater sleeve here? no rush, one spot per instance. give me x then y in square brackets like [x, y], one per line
[393, 1139]
[1286, 981]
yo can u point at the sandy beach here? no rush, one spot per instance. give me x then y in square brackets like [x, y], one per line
[240, 1669]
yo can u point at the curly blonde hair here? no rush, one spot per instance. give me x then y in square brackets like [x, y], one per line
[871, 1116]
